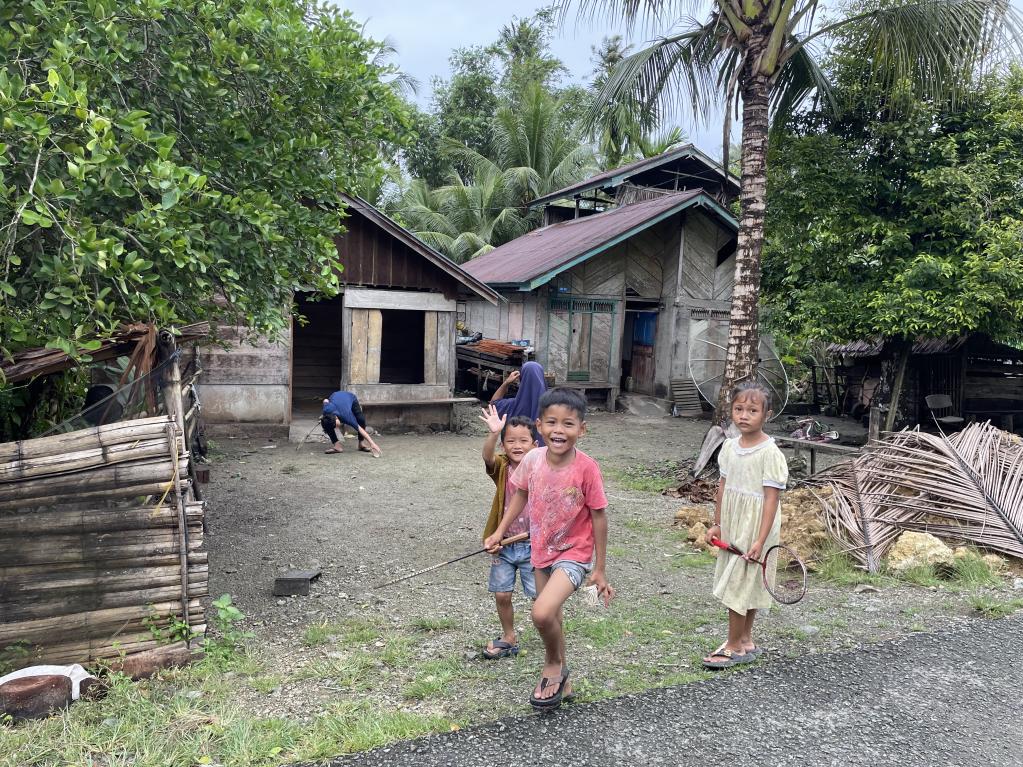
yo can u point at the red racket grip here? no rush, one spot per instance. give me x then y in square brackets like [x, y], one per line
[726, 546]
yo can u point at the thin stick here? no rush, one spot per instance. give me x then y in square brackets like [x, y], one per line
[299, 445]
[505, 542]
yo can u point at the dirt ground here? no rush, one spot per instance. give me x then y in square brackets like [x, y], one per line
[415, 647]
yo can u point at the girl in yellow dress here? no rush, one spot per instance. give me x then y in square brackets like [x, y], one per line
[753, 474]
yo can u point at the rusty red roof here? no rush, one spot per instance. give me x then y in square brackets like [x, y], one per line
[535, 258]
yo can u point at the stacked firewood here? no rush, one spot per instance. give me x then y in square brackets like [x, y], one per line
[101, 544]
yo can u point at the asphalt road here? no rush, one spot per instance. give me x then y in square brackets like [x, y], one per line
[951, 699]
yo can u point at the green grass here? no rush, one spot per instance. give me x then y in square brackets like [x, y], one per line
[647, 479]
[971, 571]
[693, 560]
[434, 677]
[995, 608]
[433, 624]
[921, 575]
[318, 634]
[641, 526]
[153, 723]
[617, 551]
[266, 684]
[839, 568]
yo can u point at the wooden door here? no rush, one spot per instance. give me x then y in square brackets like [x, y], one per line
[644, 336]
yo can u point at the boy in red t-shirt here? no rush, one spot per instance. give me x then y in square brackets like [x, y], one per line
[568, 529]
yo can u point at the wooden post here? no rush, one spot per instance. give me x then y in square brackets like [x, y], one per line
[874, 425]
[171, 379]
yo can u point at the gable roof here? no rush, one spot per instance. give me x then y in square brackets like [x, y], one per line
[534, 259]
[438, 259]
[706, 168]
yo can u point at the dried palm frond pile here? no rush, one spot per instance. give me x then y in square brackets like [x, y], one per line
[967, 487]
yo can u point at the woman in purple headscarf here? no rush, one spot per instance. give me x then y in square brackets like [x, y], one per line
[527, 400]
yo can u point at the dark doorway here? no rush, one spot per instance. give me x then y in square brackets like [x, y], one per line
[316, 352]
[402, 335]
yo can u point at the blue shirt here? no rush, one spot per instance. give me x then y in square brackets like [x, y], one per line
[339, 405]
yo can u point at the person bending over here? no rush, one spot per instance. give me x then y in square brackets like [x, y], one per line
[342, 409]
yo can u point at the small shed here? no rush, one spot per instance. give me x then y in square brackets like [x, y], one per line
[610, 301]
[983, 378]
[389, 337]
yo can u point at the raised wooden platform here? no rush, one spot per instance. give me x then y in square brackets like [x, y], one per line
[799, 445]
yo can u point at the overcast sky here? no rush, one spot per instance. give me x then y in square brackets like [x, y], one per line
[426, 31]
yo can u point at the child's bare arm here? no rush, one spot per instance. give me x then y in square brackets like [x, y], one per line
[771, 495]
[598, 577]
[494, 424]
[715, 529]
[515, 507]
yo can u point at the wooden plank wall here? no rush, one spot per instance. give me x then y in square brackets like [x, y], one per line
[371, 256]
[316, 358]
[247, 382]
[363, 365]
[509, 321]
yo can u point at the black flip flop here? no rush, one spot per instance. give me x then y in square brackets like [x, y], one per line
[504, 649]
[555, 700]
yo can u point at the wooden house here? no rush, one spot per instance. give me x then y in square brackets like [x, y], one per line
[983, 379]
[611, 300]
[389, 337]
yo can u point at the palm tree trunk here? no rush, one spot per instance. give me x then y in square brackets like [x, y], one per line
[744, 328]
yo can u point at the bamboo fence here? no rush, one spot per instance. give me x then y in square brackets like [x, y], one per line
[101, 542]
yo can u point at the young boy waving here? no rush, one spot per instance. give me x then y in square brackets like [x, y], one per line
[518, 437]
[568, 529]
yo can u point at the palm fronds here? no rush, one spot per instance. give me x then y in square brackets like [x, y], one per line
[967, 487]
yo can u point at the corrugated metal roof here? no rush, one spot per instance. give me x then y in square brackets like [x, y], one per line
[979, 343]
[618, 175]
[536, 257]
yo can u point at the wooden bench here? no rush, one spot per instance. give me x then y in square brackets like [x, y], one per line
[798, 445]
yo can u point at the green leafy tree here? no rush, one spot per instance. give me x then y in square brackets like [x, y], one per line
[174, 160]
[899, 225]
[465, 105]
[761, 54]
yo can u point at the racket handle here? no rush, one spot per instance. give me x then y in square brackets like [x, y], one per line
[515, 539]
[719, 543]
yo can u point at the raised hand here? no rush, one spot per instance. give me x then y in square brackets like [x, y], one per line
[513, 377]
[491, 418]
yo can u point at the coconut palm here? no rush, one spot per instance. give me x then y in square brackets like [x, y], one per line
[534, 145]
[763, 55]
[534, 152]
[463, 220]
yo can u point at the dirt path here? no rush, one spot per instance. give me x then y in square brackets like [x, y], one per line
[413, 648]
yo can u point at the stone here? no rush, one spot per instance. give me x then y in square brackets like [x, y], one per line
[914, 549]
[809, 629]
[996, 563]
[1017, 584]
[697, 532]
[866, 588]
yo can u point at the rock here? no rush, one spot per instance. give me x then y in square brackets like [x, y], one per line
[809, 629]
[866, 588]
[1017, 584]
[697, 531]
[918, 550]
[996, 563]
[690, 515]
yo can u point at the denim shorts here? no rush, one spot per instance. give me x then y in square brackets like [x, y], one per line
[576, 571]
[509, 560]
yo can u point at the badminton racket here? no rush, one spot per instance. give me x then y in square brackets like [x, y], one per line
[781, 568]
